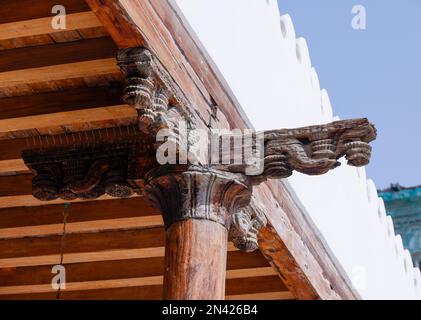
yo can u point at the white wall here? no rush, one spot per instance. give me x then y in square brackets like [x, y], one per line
[271, 75]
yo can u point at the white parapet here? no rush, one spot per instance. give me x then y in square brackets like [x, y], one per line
[271, 75]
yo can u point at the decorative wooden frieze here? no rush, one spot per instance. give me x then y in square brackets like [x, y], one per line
[83, 172]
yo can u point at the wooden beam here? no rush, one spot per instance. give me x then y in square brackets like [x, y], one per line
[30, 201]
[81, 227]
[16, 185]
[82, 257]
[85, 211]
[12, 10]
[14, 166]
[84, 242]
[69, 121]
[42, 26]
[143, 266]
[11, 149]
[126, 282]
[132, 288]
[59, 53]
[60, 101]
[42, 79]
[289, 250]
[282, 295]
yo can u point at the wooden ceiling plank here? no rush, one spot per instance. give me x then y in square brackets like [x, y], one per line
[96, 117]
[60, 101]
[281, 295]
[14, 166]
[12, 10]
[42, 26]
[84, 242]
[127, 268]
[61, 53]
[249, 283]
[86, 211]
[30, 201]
[61, 72]
[81, 227]
[82, 257]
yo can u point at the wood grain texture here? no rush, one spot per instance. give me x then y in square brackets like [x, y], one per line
[12, 10]
[60, 101]
[51, 214]
[65, 122]
[42, 26]
[195, 266]
[61, 53]
[128, 266]
[146, 288]
[62, 76]
[85, 242]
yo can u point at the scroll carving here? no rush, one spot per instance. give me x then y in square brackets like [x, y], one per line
[84, 173]
[192, 192]
[245, 226]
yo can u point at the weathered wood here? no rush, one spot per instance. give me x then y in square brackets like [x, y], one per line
[14, 185]
[195, 260]
[70, 121]
[77, 74]
[60, 101]
[61, 53]
[292, 248]
[30, 201]
[146, 288]
[85, 242]
[247, 265]
[14, 166]
[47, 214]
[12, 10]
[82, 227]
[42, 26]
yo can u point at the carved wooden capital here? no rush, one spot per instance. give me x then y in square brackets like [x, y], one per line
[182, 193]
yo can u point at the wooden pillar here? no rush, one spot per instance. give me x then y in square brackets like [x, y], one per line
[197, 205]
[195, 260]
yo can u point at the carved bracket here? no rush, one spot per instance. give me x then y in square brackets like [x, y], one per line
[245, 226]
[83, 172]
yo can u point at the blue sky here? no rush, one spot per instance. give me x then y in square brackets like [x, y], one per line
[374, 73]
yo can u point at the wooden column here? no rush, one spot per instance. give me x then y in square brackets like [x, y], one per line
[195, 260]
[197, 206]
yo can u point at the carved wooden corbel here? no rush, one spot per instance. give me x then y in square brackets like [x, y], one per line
[150, 89]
